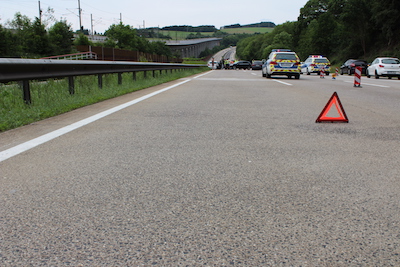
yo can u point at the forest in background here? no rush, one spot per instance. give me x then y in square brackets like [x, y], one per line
[338, 29]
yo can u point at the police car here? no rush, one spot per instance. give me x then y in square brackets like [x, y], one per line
[282, 62]
[315, 64]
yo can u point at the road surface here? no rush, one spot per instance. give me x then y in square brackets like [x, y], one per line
[225, 168]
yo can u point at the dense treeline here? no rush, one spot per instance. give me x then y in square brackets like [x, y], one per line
[26, 38]
[260, 24]
[187, 28]
[339, 29]
[34, 39]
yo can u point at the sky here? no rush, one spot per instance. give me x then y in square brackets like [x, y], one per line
[155, 13]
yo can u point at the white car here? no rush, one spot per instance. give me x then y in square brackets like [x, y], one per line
[384, 66]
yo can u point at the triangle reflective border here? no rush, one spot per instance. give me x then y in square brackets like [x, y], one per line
[333, 101]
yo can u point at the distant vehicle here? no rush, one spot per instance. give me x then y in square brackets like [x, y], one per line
[315, 64]
[242, 65]
[350, 65]
[256, 65]
[215, 66]
[282, 62]
[384, 66]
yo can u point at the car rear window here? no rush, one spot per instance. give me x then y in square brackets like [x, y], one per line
[390, 61]
[285, 56]
[321, 60]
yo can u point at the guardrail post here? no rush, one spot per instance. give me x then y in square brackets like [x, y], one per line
[100, 80]
[134, 75]
[71, 84]
[145, 74]
[160, 72]
[26, 91]
[119, 78]
[154, 73]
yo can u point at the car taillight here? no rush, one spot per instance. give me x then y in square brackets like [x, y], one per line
[381, 66]
[312, 65]
[352, 65]
[328, 65]
[273, 63]
[297, 63]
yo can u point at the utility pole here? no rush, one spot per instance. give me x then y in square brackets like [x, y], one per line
[91, 24]
[40, 13]
[120, 18]
[80, 15]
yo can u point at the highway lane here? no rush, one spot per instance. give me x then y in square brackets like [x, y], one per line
[228, 168]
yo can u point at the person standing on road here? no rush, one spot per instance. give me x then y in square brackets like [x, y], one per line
[226, 64]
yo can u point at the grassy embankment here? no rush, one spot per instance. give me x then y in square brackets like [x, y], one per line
[179, 35]
[248, 30]
[51, 98]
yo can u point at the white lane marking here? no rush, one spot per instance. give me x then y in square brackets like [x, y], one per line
[231, 79]
[283, 82]
[377, 85]
[6, 154]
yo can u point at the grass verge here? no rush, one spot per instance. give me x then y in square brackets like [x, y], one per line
[51, 97]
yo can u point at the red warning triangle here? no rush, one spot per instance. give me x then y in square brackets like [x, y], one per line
[340, 113]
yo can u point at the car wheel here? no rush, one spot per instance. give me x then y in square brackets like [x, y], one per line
[298, 77]
[308, 73]
[263, 74]
[267, 75]
[376, 75]
[389, 77]
[367, 74]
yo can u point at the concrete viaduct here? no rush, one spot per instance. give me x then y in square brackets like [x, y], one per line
[193, 47]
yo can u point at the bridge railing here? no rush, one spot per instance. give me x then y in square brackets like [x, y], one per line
[75, 56]
[25, 70]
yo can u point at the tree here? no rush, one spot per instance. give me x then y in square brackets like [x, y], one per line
[61, 37]
[386, 14]
[82, 40]
[356, 16]
[124, 36]
[37, 42]
[7, 40]
[160, 48]
[21, 27]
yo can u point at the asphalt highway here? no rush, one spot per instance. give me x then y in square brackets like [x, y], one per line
[222, 169]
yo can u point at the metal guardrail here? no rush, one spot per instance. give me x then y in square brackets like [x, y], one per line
[24, 70]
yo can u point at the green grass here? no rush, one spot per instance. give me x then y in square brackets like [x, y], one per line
[249, 30]
[51, 98]
[179, 35]
[194, 61]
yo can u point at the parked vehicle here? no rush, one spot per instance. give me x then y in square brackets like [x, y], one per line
[350, 65]
[214, 65]
[242, 65]
[282, 62]
[384, 66]
[315, 64]
[256, 65]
